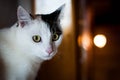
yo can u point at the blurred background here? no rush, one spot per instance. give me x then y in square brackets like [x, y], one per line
[90, 46]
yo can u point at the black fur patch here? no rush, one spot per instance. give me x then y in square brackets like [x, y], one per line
[53, 21]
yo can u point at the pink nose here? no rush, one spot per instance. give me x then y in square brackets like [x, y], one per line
[49, 50]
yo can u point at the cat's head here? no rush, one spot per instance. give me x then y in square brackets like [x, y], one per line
[39, 35]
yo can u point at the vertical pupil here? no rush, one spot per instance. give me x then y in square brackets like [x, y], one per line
[36, 38]
[54, 36]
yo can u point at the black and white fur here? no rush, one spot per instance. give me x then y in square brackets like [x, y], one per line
[20, 56]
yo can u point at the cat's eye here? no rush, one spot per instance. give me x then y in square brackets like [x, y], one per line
[55, 37]
[36, 38]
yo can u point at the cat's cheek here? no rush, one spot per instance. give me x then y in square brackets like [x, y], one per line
[58, 42]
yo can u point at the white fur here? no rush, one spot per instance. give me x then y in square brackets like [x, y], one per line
[21, 56]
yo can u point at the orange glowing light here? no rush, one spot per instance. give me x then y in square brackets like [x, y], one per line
[85, 41]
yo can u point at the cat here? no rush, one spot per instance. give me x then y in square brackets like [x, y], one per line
[30, 41]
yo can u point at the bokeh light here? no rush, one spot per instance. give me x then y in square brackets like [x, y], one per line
[100, 40]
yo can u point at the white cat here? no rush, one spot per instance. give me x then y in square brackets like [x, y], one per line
[29, 42]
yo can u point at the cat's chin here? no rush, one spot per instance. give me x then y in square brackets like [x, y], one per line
[47, 57]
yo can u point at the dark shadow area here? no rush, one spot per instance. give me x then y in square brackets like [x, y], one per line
[8, 15]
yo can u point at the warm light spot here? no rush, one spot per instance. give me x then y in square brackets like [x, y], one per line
[85, 41]
[100, 40]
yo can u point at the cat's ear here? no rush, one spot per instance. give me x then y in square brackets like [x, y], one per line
[58, 13]
[55, 16]
[23, 16]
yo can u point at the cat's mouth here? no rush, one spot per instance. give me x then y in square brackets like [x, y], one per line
[49, 56]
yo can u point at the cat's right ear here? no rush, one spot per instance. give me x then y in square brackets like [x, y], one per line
[23, 16]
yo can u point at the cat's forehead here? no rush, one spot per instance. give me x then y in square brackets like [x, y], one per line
[49, 18]
[39, 26]
[47, 22]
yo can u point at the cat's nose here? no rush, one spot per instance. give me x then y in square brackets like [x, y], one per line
[49, 50]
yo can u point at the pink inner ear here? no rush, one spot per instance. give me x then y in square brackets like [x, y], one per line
[22, 23]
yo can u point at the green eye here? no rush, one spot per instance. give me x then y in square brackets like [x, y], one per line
[55, 37]
[36, 38]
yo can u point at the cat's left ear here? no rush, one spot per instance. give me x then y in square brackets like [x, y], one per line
[23, 16]
[58, 14]
[61, 11]
[55, 16]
